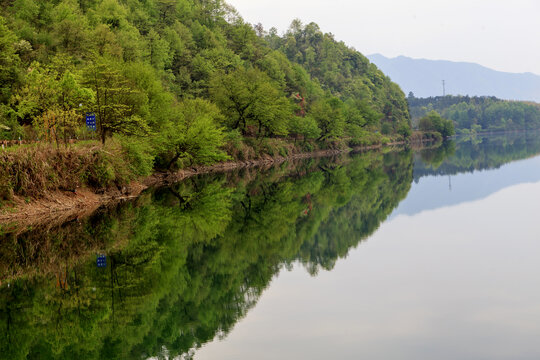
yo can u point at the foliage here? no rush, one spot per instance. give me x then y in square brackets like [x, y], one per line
[476, 114]
[346, 74]
[195, 136]
[50, 99]
[306, 127]
[9, 62]
[434, 122]
[247, 98]
[134, 63]
[139, 154]
[329, 116]
[117, 102]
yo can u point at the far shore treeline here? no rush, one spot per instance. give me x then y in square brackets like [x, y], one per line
[474, 114]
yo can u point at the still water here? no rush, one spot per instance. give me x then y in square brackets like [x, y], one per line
[396, 255]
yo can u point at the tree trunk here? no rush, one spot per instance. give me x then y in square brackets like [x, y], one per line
[65, 132]
[174, 159]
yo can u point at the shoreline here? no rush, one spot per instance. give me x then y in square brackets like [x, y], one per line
[61, 206]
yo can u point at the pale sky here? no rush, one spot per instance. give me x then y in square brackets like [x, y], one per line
[500, 34]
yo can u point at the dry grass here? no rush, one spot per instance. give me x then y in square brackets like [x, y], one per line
[33, 171]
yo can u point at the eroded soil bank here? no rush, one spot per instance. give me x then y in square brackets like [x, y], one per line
[62, 206]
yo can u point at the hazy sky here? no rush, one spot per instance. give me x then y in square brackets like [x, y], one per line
[500, 34]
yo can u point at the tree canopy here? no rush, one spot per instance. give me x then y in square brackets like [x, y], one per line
[434, 122]
[135, 63]
[475, 114]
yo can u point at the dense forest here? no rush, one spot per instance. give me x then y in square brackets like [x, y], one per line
[185, 82]
[185, 263]
[476, 114]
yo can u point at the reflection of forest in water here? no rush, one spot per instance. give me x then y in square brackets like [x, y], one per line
[470, 153]
[185, 263]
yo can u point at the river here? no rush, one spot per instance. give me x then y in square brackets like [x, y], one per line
[380, 255]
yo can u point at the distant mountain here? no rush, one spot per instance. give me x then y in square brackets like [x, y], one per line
[424, 78]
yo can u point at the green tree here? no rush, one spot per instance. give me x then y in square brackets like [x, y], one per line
[9, 62]
[50, 98]
[489, 113]
[158, 51]
[359, 117]
[70, 94]
[305, 127]
[116, 101]
[248, 97]
[426, 124]
[70, 28]
[434, 122]
[329, 116]
[194, 136]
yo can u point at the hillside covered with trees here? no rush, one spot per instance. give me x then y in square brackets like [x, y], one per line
[476, 114]
[177, 83]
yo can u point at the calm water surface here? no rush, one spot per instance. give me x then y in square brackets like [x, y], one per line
[434, 254]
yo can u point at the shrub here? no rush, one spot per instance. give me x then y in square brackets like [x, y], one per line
[386, 129]
[404, 130]
[139, 154]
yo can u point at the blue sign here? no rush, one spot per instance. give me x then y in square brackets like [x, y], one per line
[101, 261]
[91, 121]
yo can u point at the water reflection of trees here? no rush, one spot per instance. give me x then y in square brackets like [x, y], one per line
[186, 263]
[468, 154]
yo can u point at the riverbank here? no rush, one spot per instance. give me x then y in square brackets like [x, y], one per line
[71, 199]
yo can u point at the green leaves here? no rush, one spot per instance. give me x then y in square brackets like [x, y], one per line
[9, 62]
[141, 60]
[50, 99]
[434, 122]
[329, 116]
[117, 100]
[473, 114]
[194, 136]
[158, 51]
[251, 102]
[346, 74]
[305, 127]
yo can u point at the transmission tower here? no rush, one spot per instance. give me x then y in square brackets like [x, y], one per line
[443, 88]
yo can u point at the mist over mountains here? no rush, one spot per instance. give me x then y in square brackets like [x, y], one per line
[424, 78]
